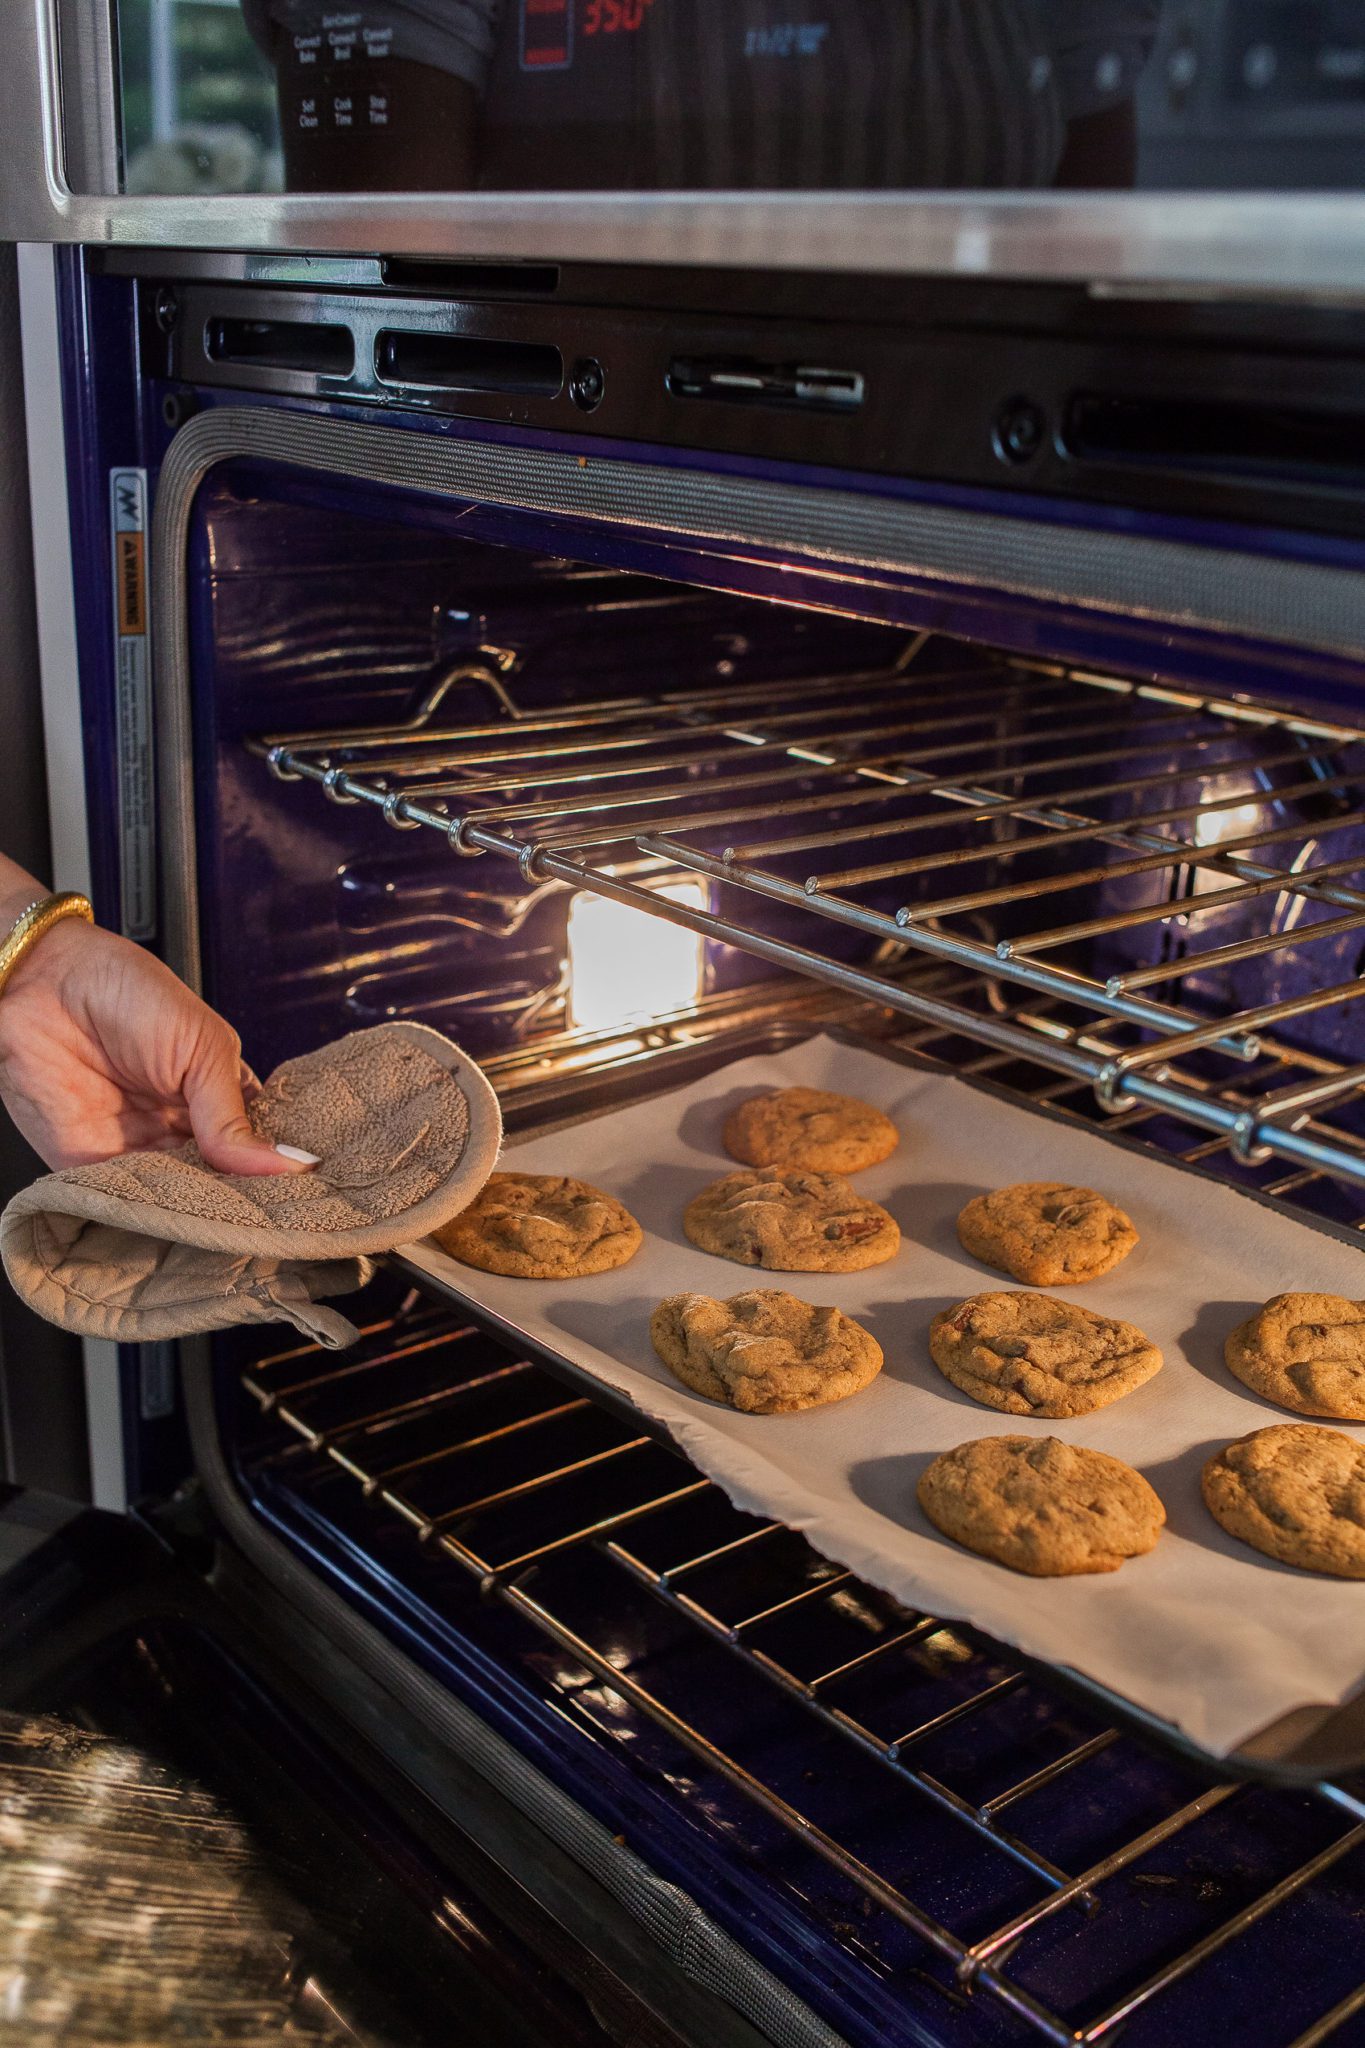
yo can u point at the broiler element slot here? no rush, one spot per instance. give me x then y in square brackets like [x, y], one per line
[981, 777]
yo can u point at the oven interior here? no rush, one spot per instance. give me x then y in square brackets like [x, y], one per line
[439, 777]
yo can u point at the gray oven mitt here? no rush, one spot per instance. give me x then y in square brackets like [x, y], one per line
[156, 1244]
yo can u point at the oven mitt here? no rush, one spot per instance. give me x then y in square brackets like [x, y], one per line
[157, 1244]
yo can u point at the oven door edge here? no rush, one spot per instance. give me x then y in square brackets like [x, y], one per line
[699, 1980]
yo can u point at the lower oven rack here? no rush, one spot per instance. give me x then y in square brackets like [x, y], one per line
[992, 1964]
[1192, 805]
[843, 1656]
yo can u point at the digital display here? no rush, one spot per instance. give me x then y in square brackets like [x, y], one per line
[614, 17]
[547, 27]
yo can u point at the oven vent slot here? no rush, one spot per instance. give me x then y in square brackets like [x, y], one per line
[739, 381]
[471, 280]
[307, 345]
[465, 362]
[1236, 438]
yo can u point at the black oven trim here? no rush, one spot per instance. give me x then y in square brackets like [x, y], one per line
[1256, 418]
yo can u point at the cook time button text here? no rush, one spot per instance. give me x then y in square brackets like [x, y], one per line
[787, 39]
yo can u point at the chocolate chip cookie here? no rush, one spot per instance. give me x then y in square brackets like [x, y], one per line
[541, 1226]
[1297, 1493]
[809, 1127]
[1041, 1506]
[1305, 1351]
[1046, 1233]
[1031, 1354]
[765, 1352]
[791, 1222]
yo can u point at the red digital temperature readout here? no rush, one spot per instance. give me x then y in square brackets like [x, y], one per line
[614, 17]
[547, 27]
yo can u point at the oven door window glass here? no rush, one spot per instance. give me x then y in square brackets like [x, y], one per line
[786, 95]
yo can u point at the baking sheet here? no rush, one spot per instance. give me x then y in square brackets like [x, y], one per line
[1203, 1632]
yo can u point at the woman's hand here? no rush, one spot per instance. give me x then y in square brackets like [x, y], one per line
[103, 1050]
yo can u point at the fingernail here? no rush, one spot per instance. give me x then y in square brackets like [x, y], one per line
[296, 1152]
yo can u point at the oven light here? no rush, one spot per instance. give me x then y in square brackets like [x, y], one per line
[625, 965]
[1213, 828]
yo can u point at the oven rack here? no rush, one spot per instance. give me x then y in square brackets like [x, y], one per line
[340, 1415]
[531, 1079]
[989, 770]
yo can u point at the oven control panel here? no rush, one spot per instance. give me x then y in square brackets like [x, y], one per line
[771, 95]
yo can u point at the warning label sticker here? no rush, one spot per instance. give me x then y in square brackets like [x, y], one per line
[132, 667]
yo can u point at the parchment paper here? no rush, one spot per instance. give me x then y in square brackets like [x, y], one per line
[1203, 1632]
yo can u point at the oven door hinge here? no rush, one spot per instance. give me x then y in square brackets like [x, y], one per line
[184, 1525]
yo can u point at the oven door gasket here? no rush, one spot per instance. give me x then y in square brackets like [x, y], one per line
[1289, 602]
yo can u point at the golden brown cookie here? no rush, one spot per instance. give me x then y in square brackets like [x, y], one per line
[1041, 1506]
[1305, 1351]
[765, 1352]
[1031, 1354]
[1046, 1233]
[809, 1127]
[541, 1226]
[1297, 1493]
[791, 1222]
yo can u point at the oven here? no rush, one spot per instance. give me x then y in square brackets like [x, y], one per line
[631, 636]
[527, 664]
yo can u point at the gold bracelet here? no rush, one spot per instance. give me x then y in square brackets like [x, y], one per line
[30, 924]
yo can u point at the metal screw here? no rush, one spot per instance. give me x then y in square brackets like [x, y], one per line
[1020, 430]
[587, 383]
[166, 307]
